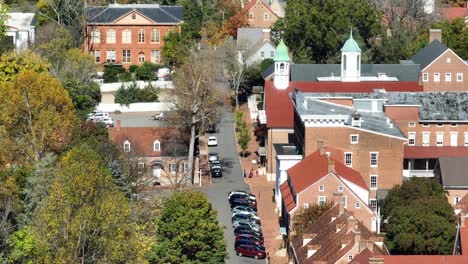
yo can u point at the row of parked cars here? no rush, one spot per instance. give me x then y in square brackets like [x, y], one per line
[247, 225]
[215, 165]
[101, 117]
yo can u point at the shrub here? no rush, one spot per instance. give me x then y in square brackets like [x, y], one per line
[133, 68]
[147, 71]
[112, 72]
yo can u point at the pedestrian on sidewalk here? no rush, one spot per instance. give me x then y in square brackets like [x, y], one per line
[245, 173]
[268, 258]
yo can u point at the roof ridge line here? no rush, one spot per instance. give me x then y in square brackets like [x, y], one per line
[100, 13]
[169, 14]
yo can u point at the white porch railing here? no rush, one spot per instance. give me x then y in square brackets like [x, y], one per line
[418, 173]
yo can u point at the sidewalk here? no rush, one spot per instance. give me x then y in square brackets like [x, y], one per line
[264, 191]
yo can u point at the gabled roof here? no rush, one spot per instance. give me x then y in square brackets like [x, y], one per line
[288, 199]
[429, 53]
[248, 6]
[21, 21]
[328, 234]
[248, 37]
[261, 43]
[158, 14]
[426, 259]
[453, 171]
[314, 167]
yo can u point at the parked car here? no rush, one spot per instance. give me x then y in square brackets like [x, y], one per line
[249, 197]
[216, 172]
[240, 208]
[212, 141]
[97, 116]
[237, 217]
[250, 251]
[237, 192]
[243, 202]
[246, 230]
[212, 156]
[216, 163]
[240, 242]
[257, 239]
[252, 218]
[247, 223]
[211, 128]
[161, 116]
[106, 120]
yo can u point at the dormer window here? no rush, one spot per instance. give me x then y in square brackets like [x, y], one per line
[126, 146]
[356, 120]
[157, 145]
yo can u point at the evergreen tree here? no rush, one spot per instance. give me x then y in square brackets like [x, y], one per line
[119, 178]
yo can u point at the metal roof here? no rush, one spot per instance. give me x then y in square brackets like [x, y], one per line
[157, 13]
[351, 45]
[248, 37]
[453, 171]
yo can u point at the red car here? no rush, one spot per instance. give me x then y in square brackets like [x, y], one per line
[257, 240]
[250, 251]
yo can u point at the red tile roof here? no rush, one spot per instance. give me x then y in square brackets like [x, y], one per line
[280, 110]
[419, 152]
[314, 167]
[363, 257]
[141, 138]
[288, 199]
[451, 13]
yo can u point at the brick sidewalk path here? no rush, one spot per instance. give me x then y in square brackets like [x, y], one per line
[264, 191]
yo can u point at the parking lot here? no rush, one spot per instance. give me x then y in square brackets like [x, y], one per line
[231, 180]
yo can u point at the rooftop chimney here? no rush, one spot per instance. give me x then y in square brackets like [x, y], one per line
[117, 127]
[357, 237]
[331, 165]
[356, 120]
[352, 223]
[435, 34]
[322, 147]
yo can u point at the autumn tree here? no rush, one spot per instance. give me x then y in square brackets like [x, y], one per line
[307, 216]
[233, 23]
[3, 18]
[188, 231]
[176, 49]
[85, 218]
[36, 117]
[195, 96]
[234, 66]
[13, 63]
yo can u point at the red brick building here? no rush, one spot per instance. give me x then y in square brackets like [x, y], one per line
[129, 34]
[260, 14]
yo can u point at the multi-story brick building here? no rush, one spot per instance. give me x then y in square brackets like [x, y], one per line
[260, 14]
[129, 34]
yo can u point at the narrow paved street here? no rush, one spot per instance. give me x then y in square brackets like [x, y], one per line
[232, 180]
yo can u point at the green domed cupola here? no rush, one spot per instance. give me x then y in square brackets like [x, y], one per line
[351, 45]
[282, 52]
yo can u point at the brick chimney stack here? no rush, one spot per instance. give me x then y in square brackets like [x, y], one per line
[266, 34]
[322, 147]
[435, 34]
[331, 165]
[352, 223]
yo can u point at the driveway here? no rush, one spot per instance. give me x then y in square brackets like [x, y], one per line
[232, 180]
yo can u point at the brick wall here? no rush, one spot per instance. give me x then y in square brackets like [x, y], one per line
[256, 16]
[390, 152]
[275, 136]
[449, 62]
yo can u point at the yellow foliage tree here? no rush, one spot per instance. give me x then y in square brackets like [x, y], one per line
[36, 116]
[13, 63]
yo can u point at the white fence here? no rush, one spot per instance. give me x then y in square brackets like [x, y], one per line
[252, 103]
[136, 107]
[113, 87]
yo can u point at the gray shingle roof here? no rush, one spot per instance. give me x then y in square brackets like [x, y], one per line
[248, 53]
[159, 14]
[247, 37]
[429, 53]
[453, 171]
[310, 72]
[376, 122]
[433, 106]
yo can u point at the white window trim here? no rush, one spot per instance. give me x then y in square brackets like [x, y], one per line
[350, 257]
[465, 140]
[413, 136]
[428, 138]
[351, 164]
[125, 144]
[455, 199]
[376, 182]
[320, 199]
[376, 159]
[459, 74]
[321, 188]
[156, 145]
[340, 188]
[449, 75]
[451, 136]
[438, 77]
[370, 203]
[425, 77]
[344, 201]
[171, 169]
[441, 141]
[351, 139]
[426, 125]
[306, 205]
[357, 205]
[411, 124]
[185, 167]
[127, 36]
[111, 37]
[266, 16]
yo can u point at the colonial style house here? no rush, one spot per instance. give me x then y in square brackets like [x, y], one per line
[262, 13]
[254, 45]
[337, 236]
[129, 34]
[160, 151]
[319, 179]
[21, 28]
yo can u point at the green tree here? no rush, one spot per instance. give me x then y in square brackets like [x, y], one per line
[132, 94]
[193, 17]
[85, 218]
[320, 28]
[36, 117]
[188, 231]
[176, 49]
[454, 35]
[119, 178]
[112, 72]
[420, 219]
[244, 137]
[3, 19]
[147, 71]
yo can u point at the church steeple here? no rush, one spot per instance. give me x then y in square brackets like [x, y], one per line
[282, 60]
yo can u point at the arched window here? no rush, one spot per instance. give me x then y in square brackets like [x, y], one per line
[357, 62]
[96, 36]
[126, 146]
[157, 145]
[111, 36]
[282, 66]
[344, 62]
[126, 36]
[141, 57]
[141, 36]
[155, 36]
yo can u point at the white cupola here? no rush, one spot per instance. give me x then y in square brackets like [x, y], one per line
[282, 60]
[350, 61]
